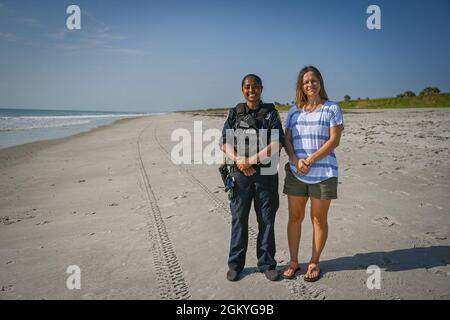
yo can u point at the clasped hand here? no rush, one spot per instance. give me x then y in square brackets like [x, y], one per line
[245, 165]
[303, 166]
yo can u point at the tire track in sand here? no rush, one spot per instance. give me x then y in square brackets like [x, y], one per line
[169, 274]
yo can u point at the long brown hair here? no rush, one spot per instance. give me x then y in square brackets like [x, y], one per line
[300, 97]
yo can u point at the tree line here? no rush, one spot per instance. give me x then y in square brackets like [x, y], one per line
[428, 91]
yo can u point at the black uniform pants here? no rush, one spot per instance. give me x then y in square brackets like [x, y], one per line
[262, 190]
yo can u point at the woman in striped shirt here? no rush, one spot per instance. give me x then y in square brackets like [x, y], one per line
[313, 130]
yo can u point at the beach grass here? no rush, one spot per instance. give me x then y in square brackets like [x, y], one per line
[430, 101]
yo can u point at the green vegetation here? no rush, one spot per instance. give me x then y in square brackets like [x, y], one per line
[405, 100]
[406, 94]
[224, 109]
[428, 91]
[422, 101]
[441, 100]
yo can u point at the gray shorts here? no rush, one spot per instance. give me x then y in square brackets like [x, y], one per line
[325, 190]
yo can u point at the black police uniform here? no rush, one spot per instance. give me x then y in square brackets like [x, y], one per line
[261, 189]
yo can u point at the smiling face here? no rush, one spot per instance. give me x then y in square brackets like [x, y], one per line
[251, 89]
[311, 85]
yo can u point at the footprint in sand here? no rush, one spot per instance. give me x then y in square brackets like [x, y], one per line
[386, 221]
[6, 288]
[437, 235]
[8, 220]
[42, 223]
[182, 196]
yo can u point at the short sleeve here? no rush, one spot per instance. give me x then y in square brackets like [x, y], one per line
[337, 117]
[288, 123]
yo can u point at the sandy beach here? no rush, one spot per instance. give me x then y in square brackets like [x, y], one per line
[111, 202]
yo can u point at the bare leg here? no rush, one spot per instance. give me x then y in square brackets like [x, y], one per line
[296, 205]
[319, 217]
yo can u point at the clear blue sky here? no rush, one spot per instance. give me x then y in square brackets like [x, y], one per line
[172, 55]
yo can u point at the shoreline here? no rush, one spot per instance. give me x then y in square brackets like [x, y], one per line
[21, 148]
[16, 137]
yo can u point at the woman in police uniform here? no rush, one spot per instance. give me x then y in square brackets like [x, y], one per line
[254, 181]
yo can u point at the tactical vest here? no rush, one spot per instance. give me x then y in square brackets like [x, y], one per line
[247, 129]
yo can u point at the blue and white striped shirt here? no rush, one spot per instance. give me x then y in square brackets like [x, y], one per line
[309, 132]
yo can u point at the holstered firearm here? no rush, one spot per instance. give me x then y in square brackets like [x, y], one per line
[224, 172]
[228, 179]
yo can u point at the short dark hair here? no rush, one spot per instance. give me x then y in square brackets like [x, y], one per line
[251, 75]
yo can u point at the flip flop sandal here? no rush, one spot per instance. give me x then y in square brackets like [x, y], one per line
[292, 276]
[312, 279]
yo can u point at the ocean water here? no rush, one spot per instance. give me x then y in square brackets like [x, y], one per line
[19, 126]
